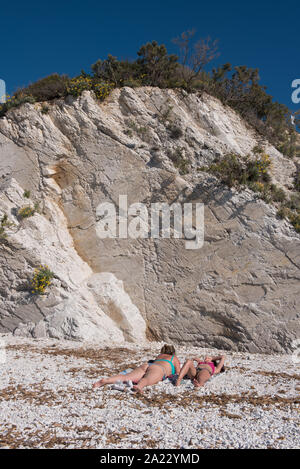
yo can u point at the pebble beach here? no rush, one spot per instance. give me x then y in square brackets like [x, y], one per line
[47, 400]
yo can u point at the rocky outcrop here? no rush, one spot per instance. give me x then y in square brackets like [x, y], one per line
[238, 291]
[81, 304]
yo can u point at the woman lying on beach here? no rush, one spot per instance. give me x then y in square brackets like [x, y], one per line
[164, 365]
[148, 373]
[204, 370]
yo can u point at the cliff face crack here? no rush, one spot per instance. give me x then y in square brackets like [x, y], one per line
[286, 255]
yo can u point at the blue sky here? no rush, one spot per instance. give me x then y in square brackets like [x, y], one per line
[40, 38]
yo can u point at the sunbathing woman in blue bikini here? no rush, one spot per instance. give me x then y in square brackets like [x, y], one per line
[164, 365]
[148, 373]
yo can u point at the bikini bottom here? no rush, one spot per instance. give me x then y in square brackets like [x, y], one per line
[157, 364]
[198, 369]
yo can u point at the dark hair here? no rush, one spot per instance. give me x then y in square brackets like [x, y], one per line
[168, 349]
[215, 362]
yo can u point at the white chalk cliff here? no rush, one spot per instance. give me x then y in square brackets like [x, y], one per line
[240, 291]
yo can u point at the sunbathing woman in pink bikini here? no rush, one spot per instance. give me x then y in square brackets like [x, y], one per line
[204, 370]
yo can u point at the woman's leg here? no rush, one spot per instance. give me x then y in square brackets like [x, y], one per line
[201, 378]
[154, 375]
[137, 374]
[134, 375]
[187, 369]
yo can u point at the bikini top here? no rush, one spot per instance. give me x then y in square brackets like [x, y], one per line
[171, 363]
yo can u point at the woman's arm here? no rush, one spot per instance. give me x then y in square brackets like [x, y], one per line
[219, 357]
[195, 359]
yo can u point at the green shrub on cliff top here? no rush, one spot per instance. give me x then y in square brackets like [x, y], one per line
[236, 86]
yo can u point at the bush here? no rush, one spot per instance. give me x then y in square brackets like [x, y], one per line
[229, 170]
[235, 170]
[141, 131]
[28, 211]
[294, 218]
[15, 102]
[175, 132]
[179, 161]
[156, 66]
[277, 193]
[45, 109]
[84, 82]
[41, 280]
[78, 84]
[297, 181]
[268, 192]
[4, 223]
[102, 90]
[51, 87]
[117, 72]
[132, 83]
[294, 202]
[236, 86]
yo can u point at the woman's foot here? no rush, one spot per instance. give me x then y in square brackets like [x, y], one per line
[137, 389]
[197, 384]
[99, 383]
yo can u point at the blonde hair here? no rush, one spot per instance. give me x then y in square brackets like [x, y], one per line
[168, 349]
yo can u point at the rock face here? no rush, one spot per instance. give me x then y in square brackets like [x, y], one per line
[238, 291]
[81, 304]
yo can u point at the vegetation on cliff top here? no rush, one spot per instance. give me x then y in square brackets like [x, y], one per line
[237, 86]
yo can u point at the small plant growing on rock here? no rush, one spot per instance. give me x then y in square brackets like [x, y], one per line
[26, 194]
[294, 202]
[175, 132]
[128, 132]
[238, 171]
[28, 210]
[290, 209]
[102, 90]
[179, 161]
[165, 115]
[84, 82]
[4, 223]
[15, 101]
[292, 215]
[41, 280]
[45, 109]
[297, 181]
[141, 131]
[234, 170]
[257, 150]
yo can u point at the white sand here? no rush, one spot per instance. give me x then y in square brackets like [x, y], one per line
[46, 400]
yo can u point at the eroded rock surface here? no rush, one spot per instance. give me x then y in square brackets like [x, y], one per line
[239, 291]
